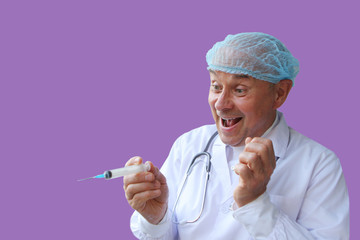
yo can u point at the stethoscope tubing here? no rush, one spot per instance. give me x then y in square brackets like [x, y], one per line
[208, 168]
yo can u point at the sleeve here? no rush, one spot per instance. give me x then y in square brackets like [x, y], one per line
[165, 230]
[324, 213]
[142, 229]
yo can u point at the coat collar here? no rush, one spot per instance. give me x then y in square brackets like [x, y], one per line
[280, 136]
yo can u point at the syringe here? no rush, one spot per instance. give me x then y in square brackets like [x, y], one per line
[120, 172]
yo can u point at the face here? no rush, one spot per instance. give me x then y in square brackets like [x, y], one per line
[241, 106]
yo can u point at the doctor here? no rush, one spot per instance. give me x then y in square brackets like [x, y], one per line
[267, 181]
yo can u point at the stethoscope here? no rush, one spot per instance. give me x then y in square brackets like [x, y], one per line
[208, 167]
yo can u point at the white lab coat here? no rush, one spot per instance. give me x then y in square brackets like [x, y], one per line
[306, 197]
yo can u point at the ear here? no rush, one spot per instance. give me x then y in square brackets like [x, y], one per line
[282, 90]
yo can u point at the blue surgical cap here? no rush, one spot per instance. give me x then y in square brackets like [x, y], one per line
[259, 55]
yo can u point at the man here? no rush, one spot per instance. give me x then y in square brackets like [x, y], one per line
[267, 181]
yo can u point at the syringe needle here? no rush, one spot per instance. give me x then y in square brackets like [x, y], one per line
[85, 179]
[97, 176]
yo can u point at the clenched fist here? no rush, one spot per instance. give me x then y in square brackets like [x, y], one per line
[256, 165]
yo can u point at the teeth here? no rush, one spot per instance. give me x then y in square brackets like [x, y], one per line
[227, 122]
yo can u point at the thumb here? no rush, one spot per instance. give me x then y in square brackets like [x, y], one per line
[248, 140]
[158, 175]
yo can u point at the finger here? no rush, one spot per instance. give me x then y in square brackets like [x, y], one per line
[264, 149]
[136, 188]
[134, 161]
[258, 149]
[264, 141]
[247, 140]
[139, 200]
[138, 178]
[243, 171]
[252, 161]
[158, 175]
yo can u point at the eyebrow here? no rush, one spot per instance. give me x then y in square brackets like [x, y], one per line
[211, 71]
[241, 76]
[237, 76]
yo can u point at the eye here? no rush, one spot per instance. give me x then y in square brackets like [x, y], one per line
[215, 87]
[240, 91]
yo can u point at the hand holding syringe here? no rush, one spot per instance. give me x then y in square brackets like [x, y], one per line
[120, 172]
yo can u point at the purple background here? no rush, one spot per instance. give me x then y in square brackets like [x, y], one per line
[85, 85]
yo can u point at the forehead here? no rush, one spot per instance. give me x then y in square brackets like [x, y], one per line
[238, 79]
[218, 75]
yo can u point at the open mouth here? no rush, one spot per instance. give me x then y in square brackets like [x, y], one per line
[229, 122]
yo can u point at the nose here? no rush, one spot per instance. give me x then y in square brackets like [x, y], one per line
[223, 102]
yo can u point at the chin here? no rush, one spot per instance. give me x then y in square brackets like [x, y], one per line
[232, 141]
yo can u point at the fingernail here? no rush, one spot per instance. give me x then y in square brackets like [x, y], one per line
[148, 166]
